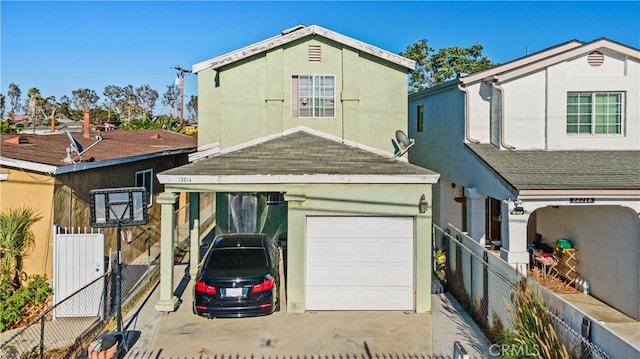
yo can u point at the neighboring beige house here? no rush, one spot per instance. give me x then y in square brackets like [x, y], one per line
[548, 146]
[36, 175]
[294, 136]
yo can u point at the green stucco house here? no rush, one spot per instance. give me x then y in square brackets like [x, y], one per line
[294, 138]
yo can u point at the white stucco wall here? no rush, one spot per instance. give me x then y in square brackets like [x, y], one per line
[608, 249]
[535, 105]
[479, 113]
[524, 111]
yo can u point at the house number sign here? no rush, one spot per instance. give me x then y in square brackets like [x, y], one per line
[582, 200]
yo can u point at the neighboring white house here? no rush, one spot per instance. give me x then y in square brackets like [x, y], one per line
[546, 144]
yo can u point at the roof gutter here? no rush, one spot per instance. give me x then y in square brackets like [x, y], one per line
[27, 165]
[466, 115]
[495, 85]
[81, 166]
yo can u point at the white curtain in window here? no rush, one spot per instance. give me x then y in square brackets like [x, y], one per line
[243, 208]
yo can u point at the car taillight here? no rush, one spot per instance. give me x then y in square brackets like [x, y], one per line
[202, 287]
[263, 287]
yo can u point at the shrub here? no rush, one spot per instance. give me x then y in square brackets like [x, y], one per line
[533, 328]
[17, 305]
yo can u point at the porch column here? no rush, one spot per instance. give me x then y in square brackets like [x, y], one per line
[168, 302]
[194, 230]
[476, 214]
[514, 246]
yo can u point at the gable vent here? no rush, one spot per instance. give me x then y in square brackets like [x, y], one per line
[595, 58]
[315, 53]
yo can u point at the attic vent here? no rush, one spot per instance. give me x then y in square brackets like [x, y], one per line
[595, 58]
[315, 53]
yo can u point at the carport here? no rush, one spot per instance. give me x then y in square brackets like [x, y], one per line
[358, 222]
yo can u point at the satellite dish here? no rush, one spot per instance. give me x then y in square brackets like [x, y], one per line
[402, 145]
[75, 145]
[403, 139]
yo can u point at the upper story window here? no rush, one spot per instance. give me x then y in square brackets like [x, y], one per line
[145, 179]
[420, 119]
[595, 113]
[313, 96]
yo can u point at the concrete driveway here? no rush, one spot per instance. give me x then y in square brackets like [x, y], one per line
[182, 334]
[310, 335]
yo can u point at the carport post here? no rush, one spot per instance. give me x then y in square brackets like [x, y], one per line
[194, 251]
[168, 302]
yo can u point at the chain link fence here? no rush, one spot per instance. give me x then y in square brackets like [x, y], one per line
[487, 288]
[49, 338]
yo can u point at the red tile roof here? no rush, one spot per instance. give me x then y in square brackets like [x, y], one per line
[52, 149]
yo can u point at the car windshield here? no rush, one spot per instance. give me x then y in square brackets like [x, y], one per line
[237, 262]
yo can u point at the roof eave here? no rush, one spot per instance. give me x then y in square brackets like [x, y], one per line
[533, 194]
[543, 59]
[81, 166]
[289, 36]
[304, 179]
[28, 165]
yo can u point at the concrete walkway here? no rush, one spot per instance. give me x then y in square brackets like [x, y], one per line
[181, 334]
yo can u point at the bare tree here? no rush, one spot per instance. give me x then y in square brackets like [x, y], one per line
[3, 100]
[14, 94]
[147, 98]
[114, 98]
[192, 108]
[171, 97]
[84, 99]
[130, 103]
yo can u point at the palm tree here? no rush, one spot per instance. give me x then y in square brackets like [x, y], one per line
[16, 241]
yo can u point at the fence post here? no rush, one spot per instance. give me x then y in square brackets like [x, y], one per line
[471, 264]
[148, 243]
[42, 337]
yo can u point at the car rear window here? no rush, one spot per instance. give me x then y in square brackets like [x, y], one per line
[238, 261]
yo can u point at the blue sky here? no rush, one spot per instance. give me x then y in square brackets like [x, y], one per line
[59, 47]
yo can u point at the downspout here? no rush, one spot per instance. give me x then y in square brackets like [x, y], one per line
[466, 115]
[502, 143]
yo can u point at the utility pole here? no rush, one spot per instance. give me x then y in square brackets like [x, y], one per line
[181, 72]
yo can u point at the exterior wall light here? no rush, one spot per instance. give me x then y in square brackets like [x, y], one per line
[423, 204]
[518, 210]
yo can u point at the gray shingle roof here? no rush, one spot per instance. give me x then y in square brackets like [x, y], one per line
[298, 153]
[536, 170]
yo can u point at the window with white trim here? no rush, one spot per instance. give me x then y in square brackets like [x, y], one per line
[594, 113]
[313, 96]
[145, 179]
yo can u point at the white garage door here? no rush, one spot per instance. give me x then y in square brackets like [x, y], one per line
[360, 263]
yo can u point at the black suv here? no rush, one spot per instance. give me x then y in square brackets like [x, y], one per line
[238, 277]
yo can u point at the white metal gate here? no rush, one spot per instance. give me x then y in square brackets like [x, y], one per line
[78, 259]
